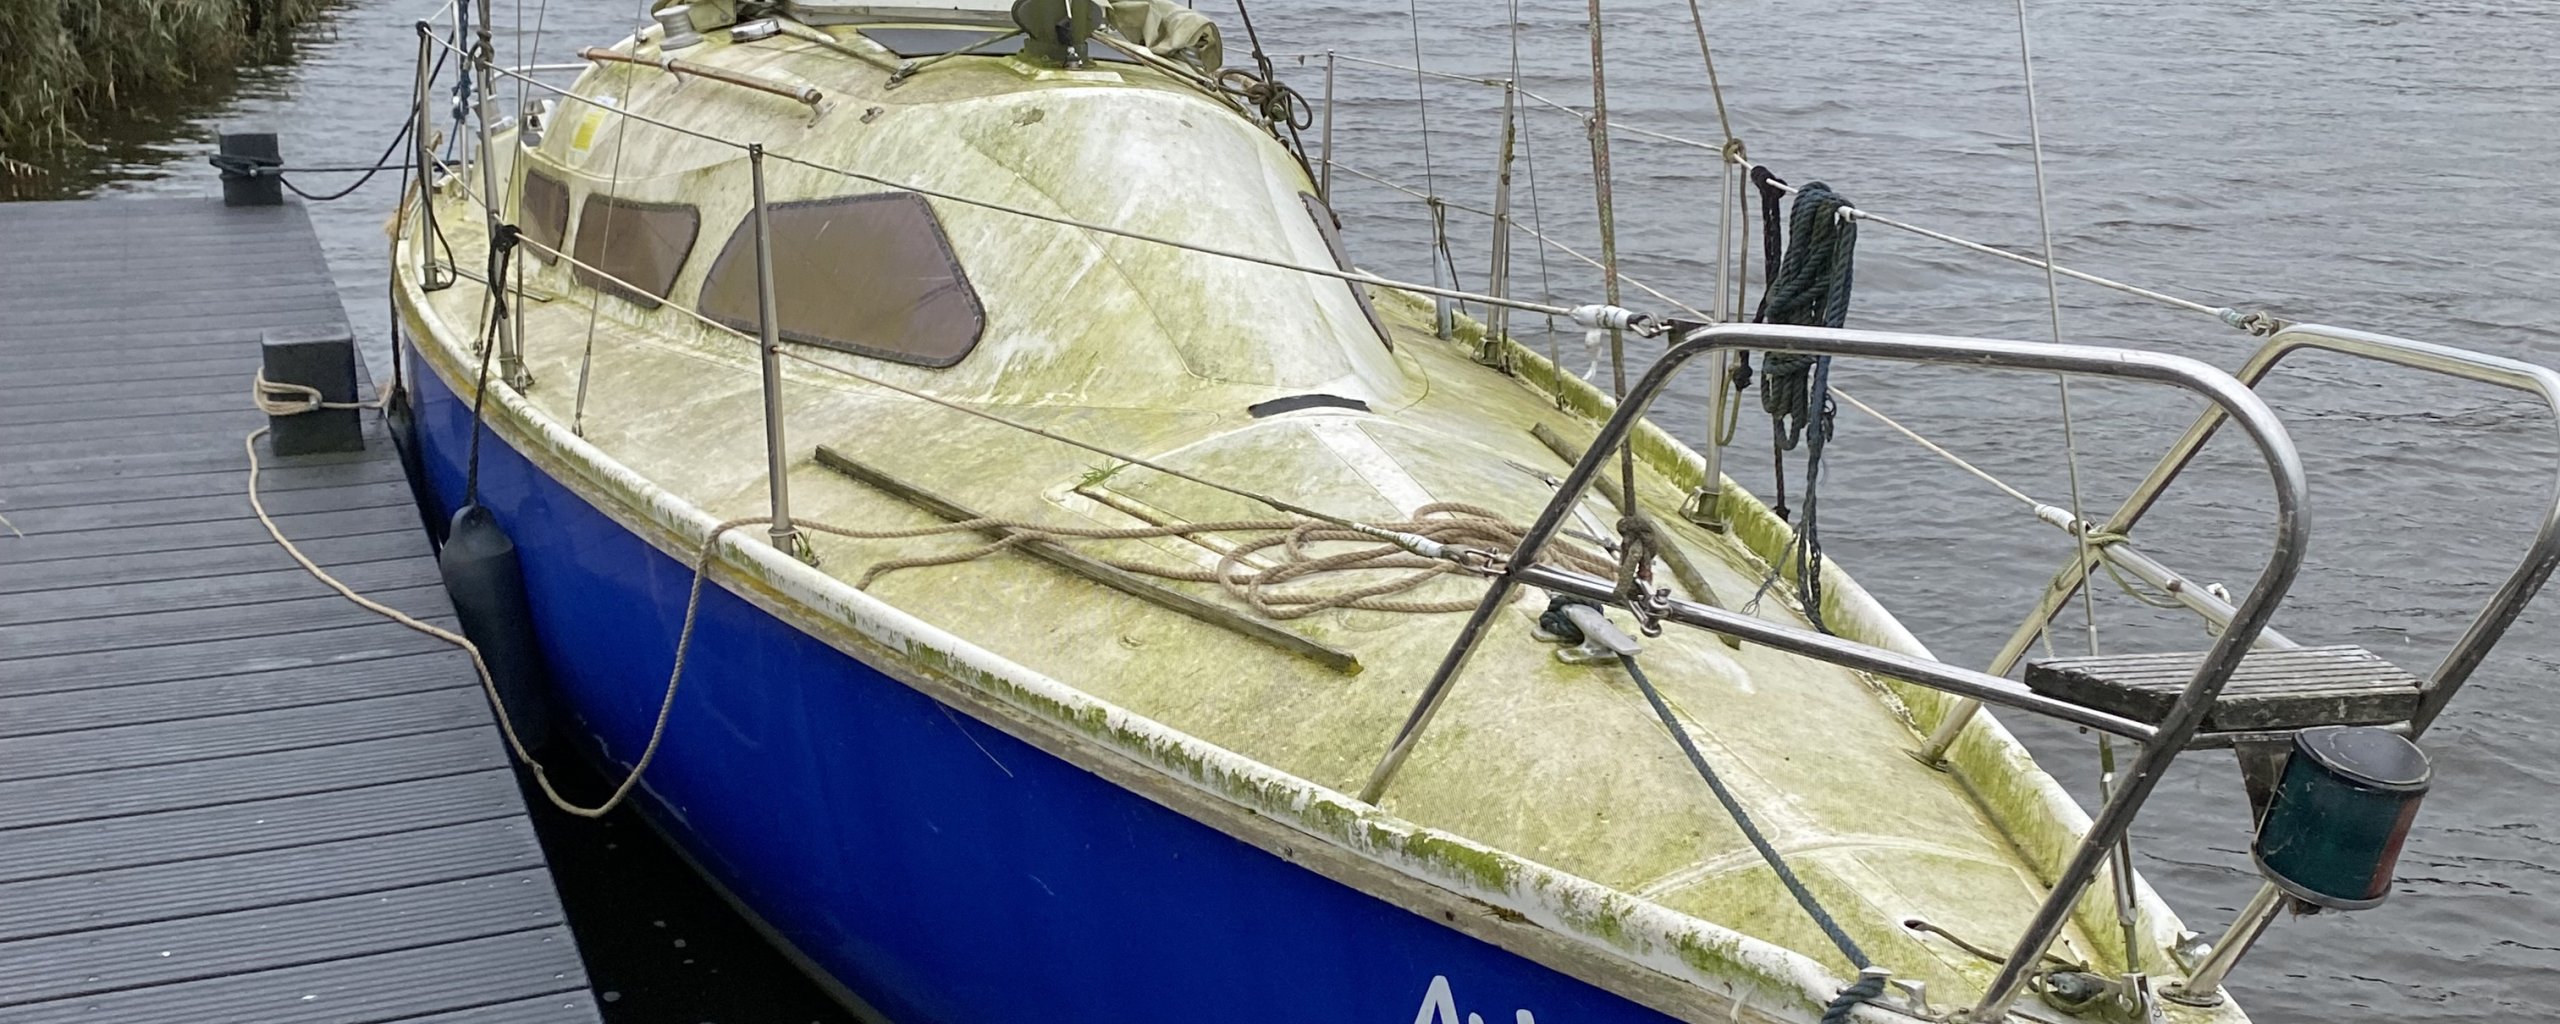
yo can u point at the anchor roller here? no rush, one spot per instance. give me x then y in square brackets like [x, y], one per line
[2333, 828]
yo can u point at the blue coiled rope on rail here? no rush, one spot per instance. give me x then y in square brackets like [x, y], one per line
[1810, 289]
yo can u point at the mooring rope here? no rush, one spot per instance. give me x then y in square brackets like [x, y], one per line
[283, 399]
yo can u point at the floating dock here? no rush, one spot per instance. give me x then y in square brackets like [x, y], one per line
[226, 792]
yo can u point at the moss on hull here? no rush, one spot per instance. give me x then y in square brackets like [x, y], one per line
[71, 60]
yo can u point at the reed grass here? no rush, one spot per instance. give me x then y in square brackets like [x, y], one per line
[63, 62]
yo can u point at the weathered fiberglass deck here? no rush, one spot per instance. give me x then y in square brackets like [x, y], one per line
[226, 793]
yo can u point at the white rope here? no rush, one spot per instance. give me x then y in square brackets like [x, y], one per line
[284, 399]
[278, 399]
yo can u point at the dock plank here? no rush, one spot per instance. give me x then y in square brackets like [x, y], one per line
[179, 700]
[153, 789]
[124, 666]
[385, 986]
[159, 952]
[250, 881]
[228, 794]
[255, 732]
[87, 846]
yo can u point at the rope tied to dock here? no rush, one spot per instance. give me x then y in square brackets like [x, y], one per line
[283, 399]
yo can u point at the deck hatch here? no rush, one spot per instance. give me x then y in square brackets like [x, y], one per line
[872, 275]
[644, 244]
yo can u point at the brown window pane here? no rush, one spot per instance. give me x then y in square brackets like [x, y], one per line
[872, 275]
[542, 213]
[1342, 260]
[641, 243]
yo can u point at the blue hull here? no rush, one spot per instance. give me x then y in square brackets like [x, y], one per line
[934, 865]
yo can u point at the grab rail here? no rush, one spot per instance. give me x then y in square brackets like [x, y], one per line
[2485, 630]
[2540, 558]
[2170, 736]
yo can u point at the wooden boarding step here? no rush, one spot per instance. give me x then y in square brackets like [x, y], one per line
[2272, 690]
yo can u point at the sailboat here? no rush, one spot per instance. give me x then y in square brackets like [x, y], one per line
[959, 477]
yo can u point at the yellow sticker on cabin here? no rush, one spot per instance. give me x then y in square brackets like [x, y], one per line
[583, 138]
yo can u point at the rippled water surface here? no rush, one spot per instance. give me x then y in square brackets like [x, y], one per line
[2384, 164]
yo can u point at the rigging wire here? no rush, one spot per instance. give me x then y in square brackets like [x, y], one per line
[2053, 308]
[1537, 216]
[1715, 86]
[1430, 181]
[1548, 309]
[2258, 324]
[621, 134]
[1549, 242]
[1599, 132]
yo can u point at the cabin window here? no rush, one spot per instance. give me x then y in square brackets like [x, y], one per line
[643, 244]
[1342, 259]
[542, 213]
[872, 275]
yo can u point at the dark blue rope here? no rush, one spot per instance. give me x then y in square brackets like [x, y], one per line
[1810, 288]
[1868, 988]
[1751, 830]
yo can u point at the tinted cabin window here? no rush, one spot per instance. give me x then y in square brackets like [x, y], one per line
[542, 211]
[641, 243]
[1342, 260]
[872, 275]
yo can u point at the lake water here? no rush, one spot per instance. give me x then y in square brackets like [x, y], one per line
[2381, 164]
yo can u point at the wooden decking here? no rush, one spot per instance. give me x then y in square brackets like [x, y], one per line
[226, 793]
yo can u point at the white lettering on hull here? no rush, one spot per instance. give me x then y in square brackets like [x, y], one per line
[1440, 1006]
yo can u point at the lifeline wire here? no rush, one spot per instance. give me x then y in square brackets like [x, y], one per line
[2259, 324]
[1355, 276]
[1273, 503]
[1547, 309]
